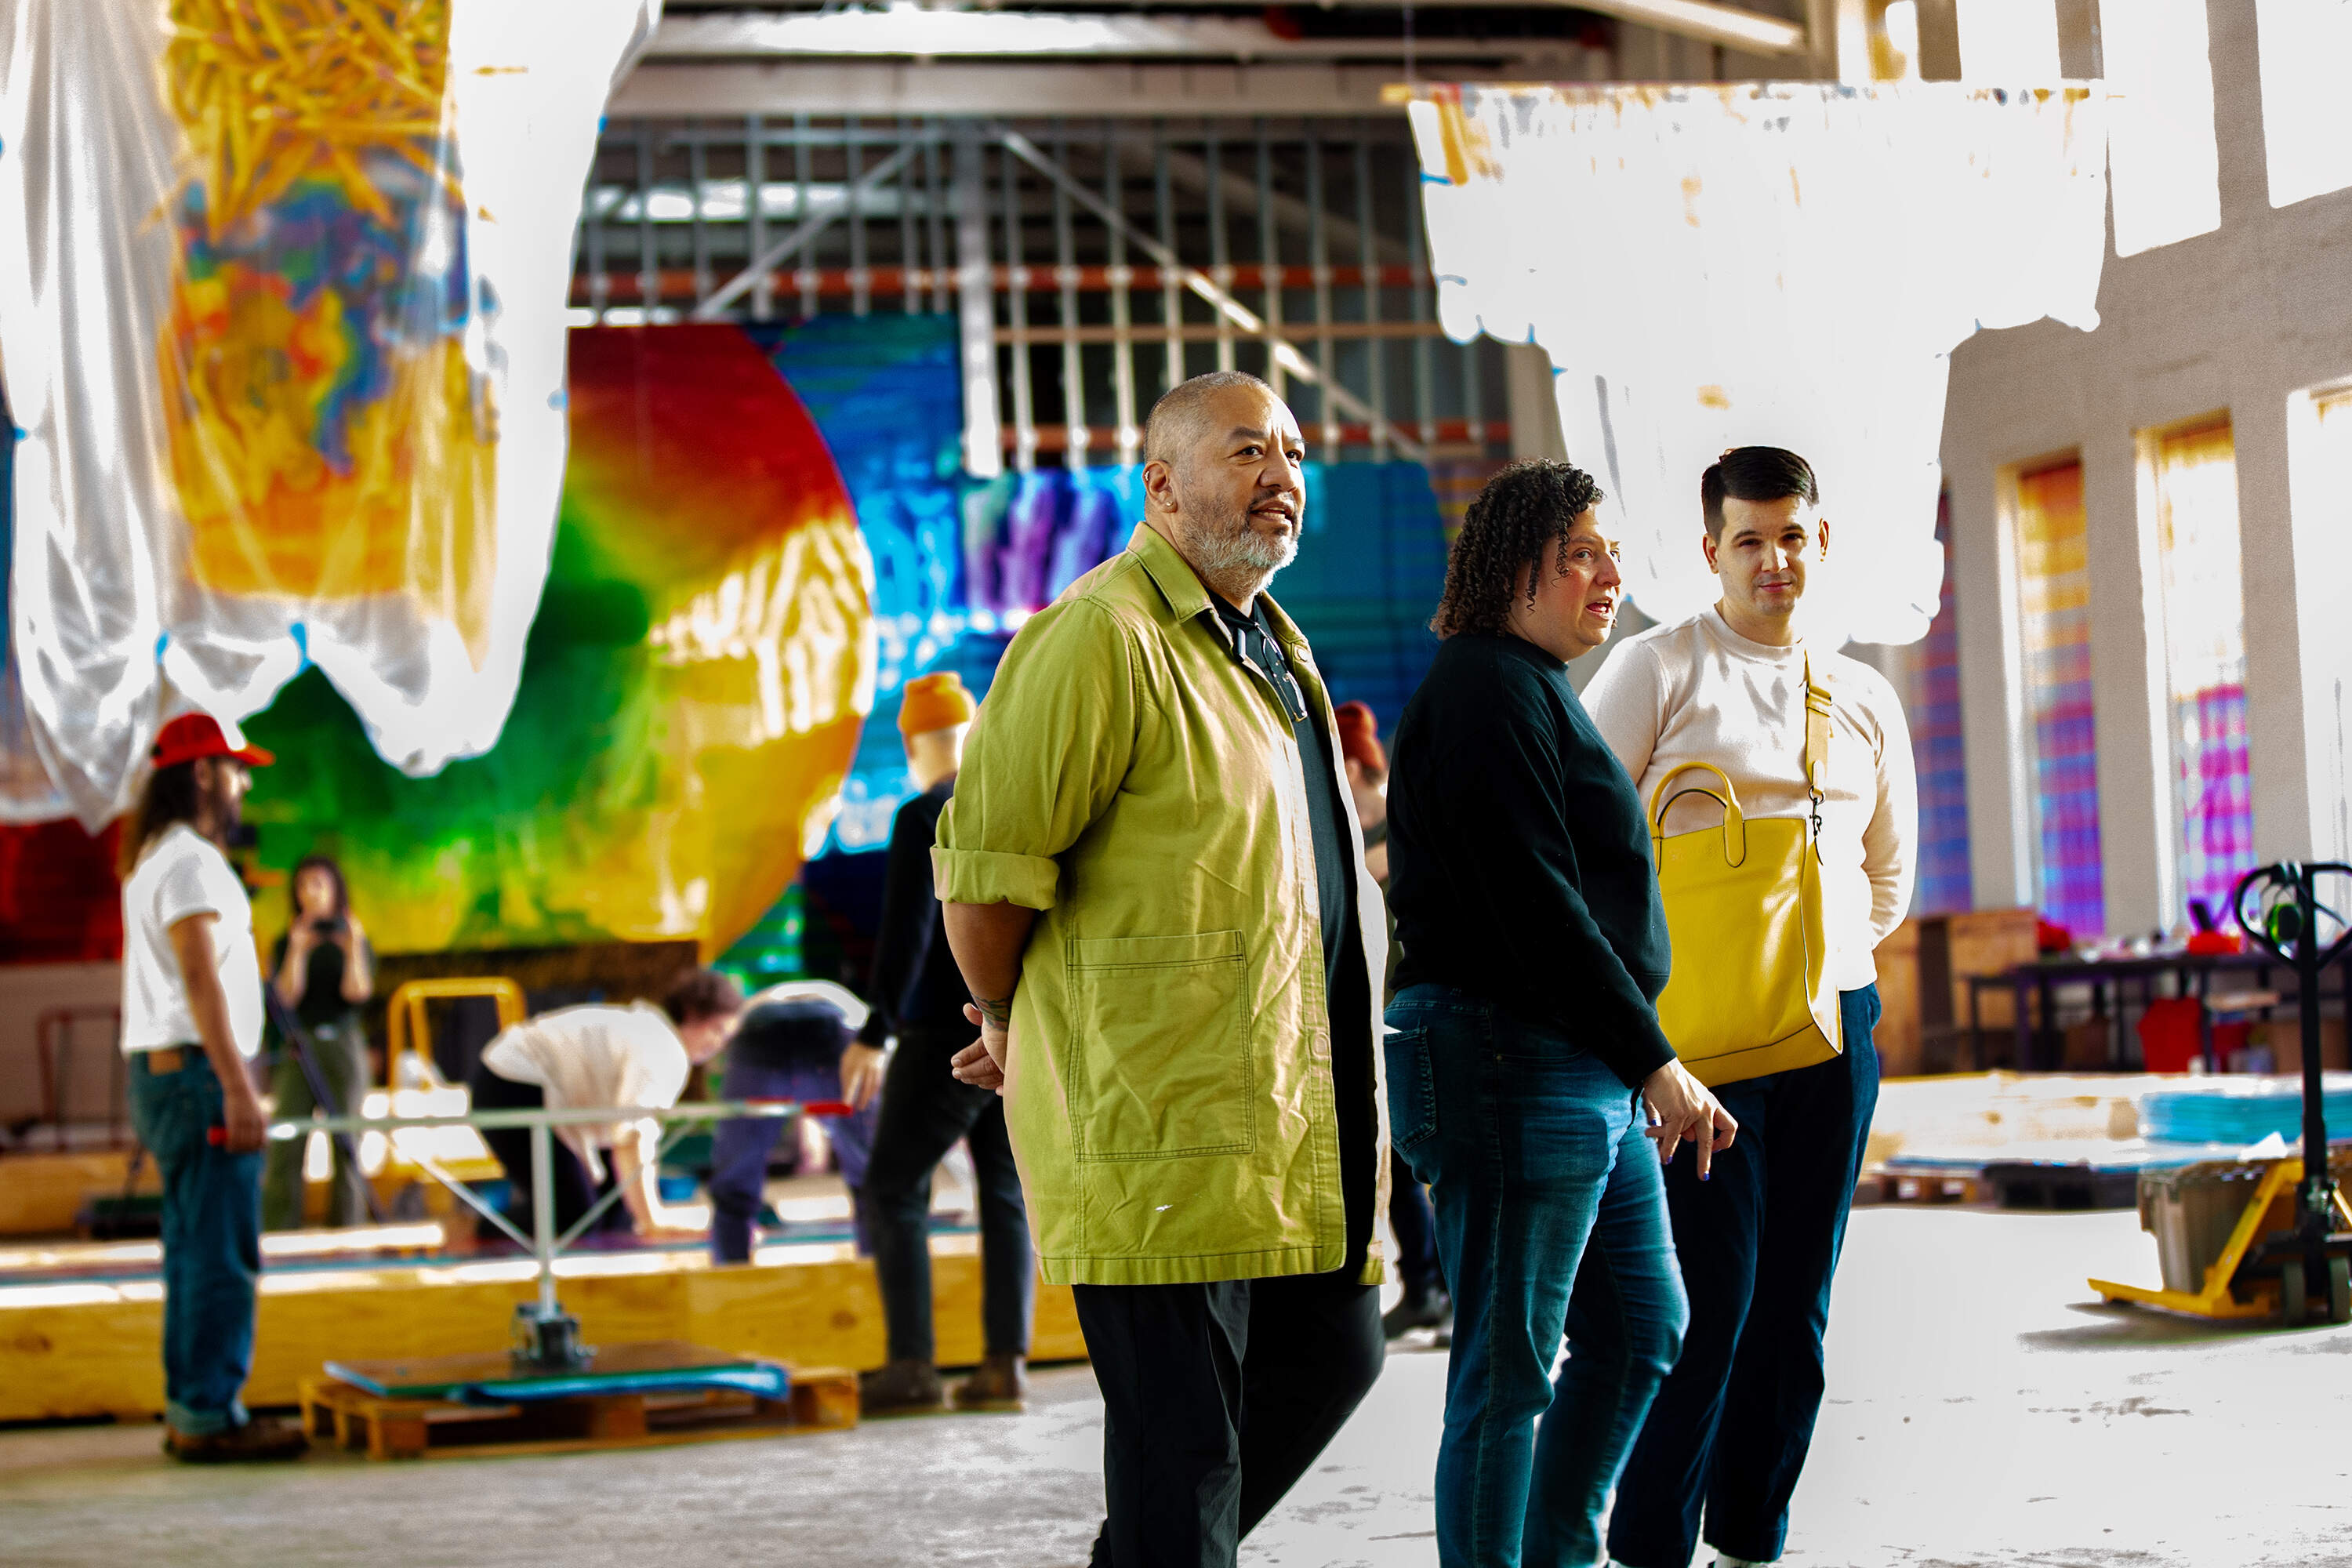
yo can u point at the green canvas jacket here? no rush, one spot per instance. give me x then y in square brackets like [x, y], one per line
[1168, 1091]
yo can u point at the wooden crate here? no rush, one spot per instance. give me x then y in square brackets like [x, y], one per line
[822, 1399]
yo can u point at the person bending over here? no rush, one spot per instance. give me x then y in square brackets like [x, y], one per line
[919, 997]
[324, 973]
[191, 1022]
[637, 1056]
[1525, 1039]
[1759, 1242]
[1156, 896]
[793, 1043]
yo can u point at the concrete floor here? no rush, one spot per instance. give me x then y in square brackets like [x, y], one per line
[1983, 1413]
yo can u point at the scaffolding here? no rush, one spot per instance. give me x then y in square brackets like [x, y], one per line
[1090, 265]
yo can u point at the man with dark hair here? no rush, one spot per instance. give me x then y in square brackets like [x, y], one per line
[1156, 895]
[192, 1016]
[1524, 1039]
[1759, 1242]
[600, 1055]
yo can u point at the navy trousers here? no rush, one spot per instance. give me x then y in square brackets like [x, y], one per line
[1758, 1243]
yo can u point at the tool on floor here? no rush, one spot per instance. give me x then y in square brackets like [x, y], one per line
[2294, 1232]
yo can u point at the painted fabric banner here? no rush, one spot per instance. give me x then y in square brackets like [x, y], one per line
[281, 285]
[1778, 264]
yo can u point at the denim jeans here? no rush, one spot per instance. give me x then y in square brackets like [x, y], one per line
[1731, 1426]
[924, 1112]
[211, 1242]
[740, 1149]
[1552, 1225]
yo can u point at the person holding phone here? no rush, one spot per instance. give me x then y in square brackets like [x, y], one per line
[324, 972]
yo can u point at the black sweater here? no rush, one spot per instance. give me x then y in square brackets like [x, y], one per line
[1519, 860]
[916, 983]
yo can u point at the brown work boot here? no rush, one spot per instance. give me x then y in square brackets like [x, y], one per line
[999, 1382]
[262, 1438]
[901, 1387]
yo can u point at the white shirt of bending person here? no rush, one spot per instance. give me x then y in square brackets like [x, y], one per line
[1699, 692]
[598, 1055]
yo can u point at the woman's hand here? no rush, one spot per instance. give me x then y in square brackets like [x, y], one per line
[1681, 1107]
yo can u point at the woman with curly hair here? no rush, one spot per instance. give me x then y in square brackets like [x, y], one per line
[1525, 1046]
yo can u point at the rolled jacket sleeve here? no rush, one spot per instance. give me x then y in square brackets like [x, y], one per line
[1047, 752]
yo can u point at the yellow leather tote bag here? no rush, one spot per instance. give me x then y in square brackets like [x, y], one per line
[1744, 910]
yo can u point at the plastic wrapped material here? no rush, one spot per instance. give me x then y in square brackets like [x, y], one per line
[281, 285]
[1764, 264]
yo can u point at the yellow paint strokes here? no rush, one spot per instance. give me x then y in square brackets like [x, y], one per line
[1714, 397]
[1690, 200]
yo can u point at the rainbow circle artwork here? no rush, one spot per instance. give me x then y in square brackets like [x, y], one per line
[690, 701]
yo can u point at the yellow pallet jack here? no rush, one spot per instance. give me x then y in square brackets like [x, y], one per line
[2294, 1234]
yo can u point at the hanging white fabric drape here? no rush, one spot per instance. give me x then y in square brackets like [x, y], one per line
[281, 300]
[1763, 264]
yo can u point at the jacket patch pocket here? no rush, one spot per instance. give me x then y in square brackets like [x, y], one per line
[1163, 1066]
[1412, 1092]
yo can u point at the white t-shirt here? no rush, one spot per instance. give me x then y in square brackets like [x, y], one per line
[184, 873]
[1699, 692]
[593, 1056]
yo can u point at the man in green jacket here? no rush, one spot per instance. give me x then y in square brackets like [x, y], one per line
[1153, 890]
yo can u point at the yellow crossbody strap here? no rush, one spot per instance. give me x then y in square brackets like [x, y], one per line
[1817, 743]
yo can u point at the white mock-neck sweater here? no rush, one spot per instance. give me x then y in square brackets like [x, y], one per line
[1698, 691]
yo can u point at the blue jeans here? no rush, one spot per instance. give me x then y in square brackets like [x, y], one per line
[211, 1242]
[1552, 1225]
[740, 1149]
[1731, 1426]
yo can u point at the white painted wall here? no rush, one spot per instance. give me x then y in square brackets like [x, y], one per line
[2242, 319]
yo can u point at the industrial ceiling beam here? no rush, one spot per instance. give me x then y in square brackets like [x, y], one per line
[735, 287]
[1019, 89]
[914, 32]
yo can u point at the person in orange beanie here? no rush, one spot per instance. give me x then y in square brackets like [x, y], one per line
[918, 996]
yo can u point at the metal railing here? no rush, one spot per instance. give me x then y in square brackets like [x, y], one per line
[544, 1244]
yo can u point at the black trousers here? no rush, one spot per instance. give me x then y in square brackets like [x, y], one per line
[575, 1192]
[1216, 1399]
[924, 1112]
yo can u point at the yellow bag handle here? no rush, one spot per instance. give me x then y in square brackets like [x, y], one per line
[1735, 821]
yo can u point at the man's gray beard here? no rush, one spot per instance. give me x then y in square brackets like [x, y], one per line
[1243, 549]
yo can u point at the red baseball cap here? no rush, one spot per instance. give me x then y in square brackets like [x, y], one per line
[194, 735]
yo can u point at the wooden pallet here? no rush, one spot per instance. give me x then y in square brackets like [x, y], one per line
[822, 1399]
[1900, 1186]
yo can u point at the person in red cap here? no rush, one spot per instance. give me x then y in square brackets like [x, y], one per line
[192, 1017]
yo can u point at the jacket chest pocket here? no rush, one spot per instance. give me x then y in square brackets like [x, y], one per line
[1163, 1065]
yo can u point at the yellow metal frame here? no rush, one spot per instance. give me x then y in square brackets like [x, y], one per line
[406, 1021]
[2216, 1299]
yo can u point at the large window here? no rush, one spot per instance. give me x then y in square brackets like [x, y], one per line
[2163, 165]
[2304, 45]
[2195, 474]
[2054, 619]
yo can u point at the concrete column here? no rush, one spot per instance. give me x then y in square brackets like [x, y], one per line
[1996, 726]
[1534, 406]
[983, 448]
[2320, 531]
[2129, 688]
